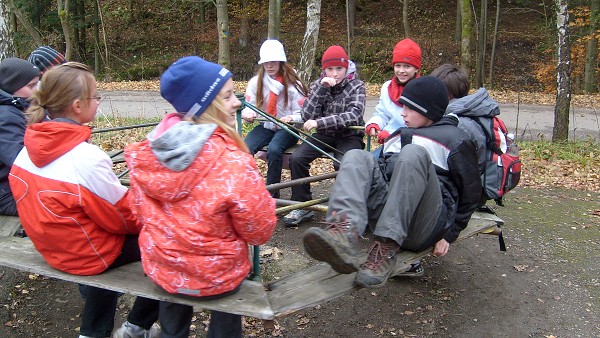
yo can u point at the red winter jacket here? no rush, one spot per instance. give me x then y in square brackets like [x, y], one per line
[201, 201]
[70, 202]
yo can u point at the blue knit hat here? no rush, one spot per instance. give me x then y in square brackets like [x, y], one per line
[191, 83]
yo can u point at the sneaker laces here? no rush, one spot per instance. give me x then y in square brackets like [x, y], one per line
[378, 253]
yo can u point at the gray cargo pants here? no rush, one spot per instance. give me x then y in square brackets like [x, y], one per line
[406, 209]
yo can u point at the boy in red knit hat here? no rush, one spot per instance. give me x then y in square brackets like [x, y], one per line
[406, 60]
[335, 102]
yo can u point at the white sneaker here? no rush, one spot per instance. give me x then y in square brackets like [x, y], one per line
[297, 216]
[128, 330]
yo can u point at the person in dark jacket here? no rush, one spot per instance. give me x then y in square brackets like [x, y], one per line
[18, 80]
[420, 193]
[335, 102]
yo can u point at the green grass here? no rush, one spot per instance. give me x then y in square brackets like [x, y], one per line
[584, 152]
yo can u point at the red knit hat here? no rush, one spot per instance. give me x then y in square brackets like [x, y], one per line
[407, 51]
[334, 56]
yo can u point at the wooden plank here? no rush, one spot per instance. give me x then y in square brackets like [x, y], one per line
[9, 225]
[116, 156]
[251, 300]
[319, 283]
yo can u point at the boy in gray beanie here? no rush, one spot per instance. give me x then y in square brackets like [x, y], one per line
[420, 193]
[18, 80]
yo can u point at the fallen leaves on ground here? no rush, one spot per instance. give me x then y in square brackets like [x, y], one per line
[374, 90]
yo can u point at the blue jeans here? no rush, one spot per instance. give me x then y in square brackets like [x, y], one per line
[277, 142]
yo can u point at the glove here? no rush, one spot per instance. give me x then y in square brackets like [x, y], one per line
[382, 135]
[372, 126]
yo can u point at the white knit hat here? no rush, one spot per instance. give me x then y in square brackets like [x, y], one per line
[271, 50]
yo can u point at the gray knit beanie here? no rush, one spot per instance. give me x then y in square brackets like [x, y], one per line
[15, 73]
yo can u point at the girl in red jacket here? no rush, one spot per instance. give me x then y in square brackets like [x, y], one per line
[70, 202]
[199, 195]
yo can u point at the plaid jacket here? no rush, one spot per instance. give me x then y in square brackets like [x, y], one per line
[336, 108]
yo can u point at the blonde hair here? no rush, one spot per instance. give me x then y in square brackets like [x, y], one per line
[215, 113]
[60, 86]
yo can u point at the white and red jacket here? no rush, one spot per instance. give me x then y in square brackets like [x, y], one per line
[70, 202]
[201, 200]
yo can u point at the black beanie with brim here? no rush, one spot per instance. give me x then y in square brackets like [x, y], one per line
[426, 95]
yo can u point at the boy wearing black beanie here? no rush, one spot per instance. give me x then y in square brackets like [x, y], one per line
[420, 193]
[18, 80]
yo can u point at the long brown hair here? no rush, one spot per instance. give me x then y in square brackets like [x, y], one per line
[289, 78]
[60, 86]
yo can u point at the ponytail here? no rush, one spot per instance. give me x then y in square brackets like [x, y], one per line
[60, 87]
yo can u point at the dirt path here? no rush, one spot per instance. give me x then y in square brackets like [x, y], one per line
[547, 284]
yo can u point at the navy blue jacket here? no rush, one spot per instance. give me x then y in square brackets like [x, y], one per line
[12, 131]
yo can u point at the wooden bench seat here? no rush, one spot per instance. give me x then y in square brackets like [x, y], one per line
[303, 289]
[9, 225]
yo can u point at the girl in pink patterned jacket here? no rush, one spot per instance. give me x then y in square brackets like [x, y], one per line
[199, 196]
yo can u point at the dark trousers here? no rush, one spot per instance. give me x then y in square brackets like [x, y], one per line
[303, 156]
[277, 142]
[175, 320]
[98, 315]
[8, 205]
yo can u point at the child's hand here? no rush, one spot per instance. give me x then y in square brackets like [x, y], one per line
[248, 116]
[328, 82]
[441, 248]
[310, 125]
[286, 119]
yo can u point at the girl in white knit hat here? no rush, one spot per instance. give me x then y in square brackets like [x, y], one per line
[278, 90]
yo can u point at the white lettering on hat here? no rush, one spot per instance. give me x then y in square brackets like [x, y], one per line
[223, 72]
[210, 89]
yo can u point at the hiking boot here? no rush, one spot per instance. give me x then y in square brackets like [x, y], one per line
[379, 265]
[297, 216]
[335, 244]
[409, 270]
[128, 330]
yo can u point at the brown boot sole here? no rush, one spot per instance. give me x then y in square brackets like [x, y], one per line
[318, 245]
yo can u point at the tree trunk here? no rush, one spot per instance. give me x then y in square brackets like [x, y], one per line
[560, 131]
[7, 47]
[63, 15]
[244, 26]
[274, 19]
[493, 56]
[106, 59]
[202, 17]
[467, 31]
[589, 81]
[458, 28]
[24, 20]
[97, 53]
[481, 43]
[350, 21]
[309, 43]
[405, 23]
[223, 27]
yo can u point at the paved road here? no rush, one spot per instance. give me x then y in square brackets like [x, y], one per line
[528, 122]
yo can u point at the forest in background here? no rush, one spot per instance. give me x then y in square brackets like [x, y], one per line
[138, 39]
